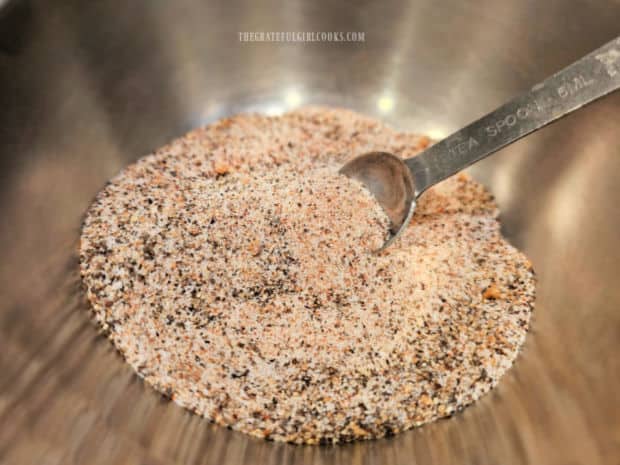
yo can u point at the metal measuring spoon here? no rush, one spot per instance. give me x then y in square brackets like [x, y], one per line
[397, 183]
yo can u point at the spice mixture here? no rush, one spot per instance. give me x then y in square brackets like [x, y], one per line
[232, 269]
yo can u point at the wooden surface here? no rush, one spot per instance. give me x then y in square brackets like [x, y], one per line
[87, 87]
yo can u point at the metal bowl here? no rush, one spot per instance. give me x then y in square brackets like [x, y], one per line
[88, 87]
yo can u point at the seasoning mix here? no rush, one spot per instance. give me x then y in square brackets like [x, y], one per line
[233, 270]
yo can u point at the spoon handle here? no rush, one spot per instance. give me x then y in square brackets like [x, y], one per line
[593, 76]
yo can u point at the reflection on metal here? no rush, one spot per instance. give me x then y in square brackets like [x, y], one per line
[385, 104]
[293, 98]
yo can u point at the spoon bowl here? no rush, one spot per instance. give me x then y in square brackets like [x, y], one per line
[391, 182]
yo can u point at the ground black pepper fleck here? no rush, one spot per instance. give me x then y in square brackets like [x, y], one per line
[232, 271]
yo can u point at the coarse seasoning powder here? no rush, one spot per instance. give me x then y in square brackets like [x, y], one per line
[233, 270]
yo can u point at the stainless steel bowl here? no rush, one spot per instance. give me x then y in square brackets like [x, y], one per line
[88, 87]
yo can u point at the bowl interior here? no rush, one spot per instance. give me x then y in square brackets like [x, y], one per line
[88, 87]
